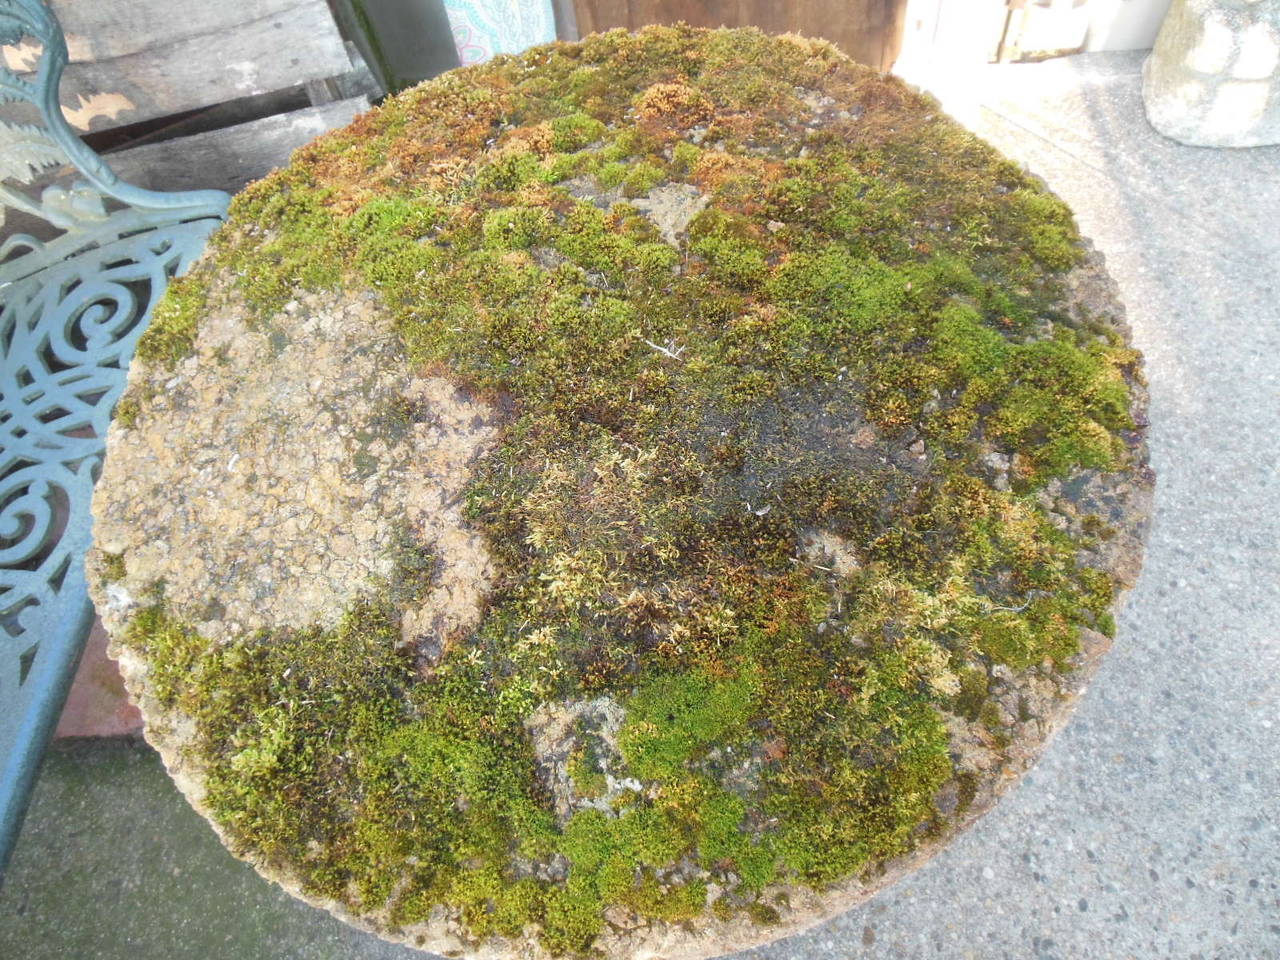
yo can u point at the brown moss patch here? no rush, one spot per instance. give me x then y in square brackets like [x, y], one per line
[674, 103]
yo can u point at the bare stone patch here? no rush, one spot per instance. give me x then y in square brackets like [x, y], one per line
[588, 188]
[672, 207]
[827, 551]
[258, 495]
[456, 432]
[560, 729]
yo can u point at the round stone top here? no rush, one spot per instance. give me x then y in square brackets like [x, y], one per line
[634, 498]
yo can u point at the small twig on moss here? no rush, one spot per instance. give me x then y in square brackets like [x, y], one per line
[670, 350]
[1031, 595]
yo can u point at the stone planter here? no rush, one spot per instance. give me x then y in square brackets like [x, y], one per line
[1213, 79]
[637, 498]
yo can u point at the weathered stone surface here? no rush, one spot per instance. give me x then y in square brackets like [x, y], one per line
[1213, 79]
[641, 524]
[276, 472]
[583, 732]
[671, 208]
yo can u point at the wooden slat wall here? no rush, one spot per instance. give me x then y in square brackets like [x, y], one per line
[870, 31]
[135, 60]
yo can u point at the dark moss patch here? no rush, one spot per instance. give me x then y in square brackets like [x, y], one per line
[871, 303]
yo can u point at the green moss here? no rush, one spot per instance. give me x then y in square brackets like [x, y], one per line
[297, 242]
[495, 904]
[515, 228]
[171, 334]
[963, 347]
[127, 411]
[575, 131]
[973, 692]
[112, 567]
[585, 772]
[684, 158]
[670, 903]
[671, 718]
[171, 650]
[612, 173]
[724, 842]
[573, 917]
[1052, 235]
[967, 782]
[509, 172]
[683, 422]
[763, 913]
[860, 773]
[312, 738]
[727, 245]
[1106, 624]
[642, 177]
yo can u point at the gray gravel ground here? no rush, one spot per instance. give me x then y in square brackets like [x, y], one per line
[1151, 828]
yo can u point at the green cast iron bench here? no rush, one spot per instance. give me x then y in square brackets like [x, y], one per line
[87, 253]
[71, 311]
[76, 290]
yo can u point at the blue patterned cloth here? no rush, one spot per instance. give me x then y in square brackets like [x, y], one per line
[482, 28]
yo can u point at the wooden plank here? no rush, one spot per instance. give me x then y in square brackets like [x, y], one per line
[228, 159]
[593, 16]
[870, 31]
[108, 29]
[567, 27]
[134, 60]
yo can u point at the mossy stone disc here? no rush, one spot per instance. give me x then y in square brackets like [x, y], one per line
[634, 498]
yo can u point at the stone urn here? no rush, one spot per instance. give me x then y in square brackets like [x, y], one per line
[1213, 79]
[633, 499]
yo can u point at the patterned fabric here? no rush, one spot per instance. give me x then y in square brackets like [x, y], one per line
[482, 28]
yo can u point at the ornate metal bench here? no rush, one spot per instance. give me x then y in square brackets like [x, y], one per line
[81, 272]
[72, 307]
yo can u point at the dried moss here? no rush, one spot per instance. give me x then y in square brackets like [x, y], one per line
[863, 285]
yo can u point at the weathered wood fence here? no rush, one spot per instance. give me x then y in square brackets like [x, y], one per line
[870, 31]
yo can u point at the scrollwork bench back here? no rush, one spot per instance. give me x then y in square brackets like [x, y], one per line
[71, 311]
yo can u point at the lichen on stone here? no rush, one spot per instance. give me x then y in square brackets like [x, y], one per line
[635, 497]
